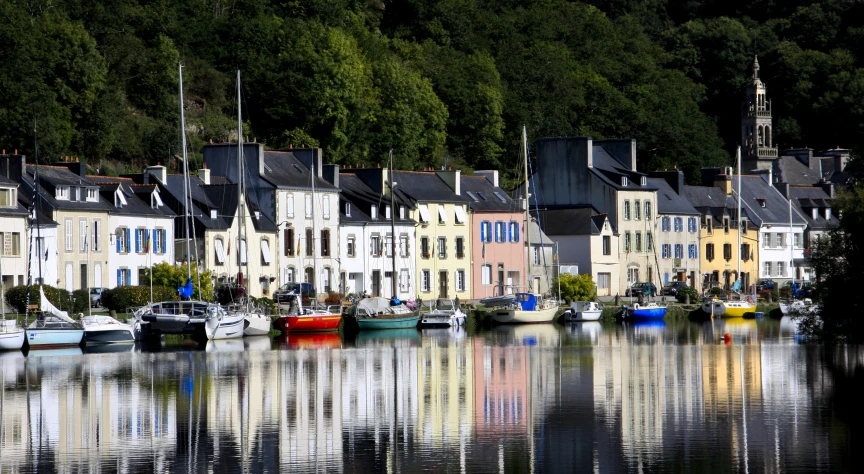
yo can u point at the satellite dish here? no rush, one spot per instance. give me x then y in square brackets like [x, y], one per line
[118, 232]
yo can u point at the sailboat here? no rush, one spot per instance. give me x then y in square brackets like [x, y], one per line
[381, 313]
[239, 322]
[733, 308]
[11, 335]
[528, 307]
[53, 328]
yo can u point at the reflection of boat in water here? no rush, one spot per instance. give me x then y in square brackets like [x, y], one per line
[739, 327]
[225, 345]
[310, 340]
[387, 336]
[108, 348]
[585, 330]
[11, 355]
[445, 334]
[543, 335]
[58, 352]
[257, 343]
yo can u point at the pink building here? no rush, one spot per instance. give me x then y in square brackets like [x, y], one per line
[497, 247]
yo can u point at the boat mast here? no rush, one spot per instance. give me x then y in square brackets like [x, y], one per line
[314, 256]
[791, 247]
[392, 226]
[738, 216]
[527, 206]
[186, 199]
[242, 243]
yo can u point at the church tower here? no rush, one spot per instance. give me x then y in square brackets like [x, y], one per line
[757, 144]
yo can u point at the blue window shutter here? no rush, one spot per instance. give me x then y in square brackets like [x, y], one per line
[164, 240]
[119, 277]
[118, 243]
[129, 278]
[510, 232]
[137, 241]
[482, 231]
[667, 277]
[128, 241]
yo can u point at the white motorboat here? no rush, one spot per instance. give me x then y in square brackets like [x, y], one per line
[106, 330]
[53, 328]
[528, 308]
[583, 311]
[11, 336]
[256, 324]
[221, 324]
[445, 314]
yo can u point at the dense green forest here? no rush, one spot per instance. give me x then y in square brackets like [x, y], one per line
[435, 80]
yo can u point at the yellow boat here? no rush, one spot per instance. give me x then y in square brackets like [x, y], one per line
[728, 309]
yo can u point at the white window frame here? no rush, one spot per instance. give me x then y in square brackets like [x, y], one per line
[326, 207]
[289, 205]
[309, 204]
[67, 229]
[486, 274]
[425, 281]
[82, 235]
[351, 246]
[62, 193]
[460, 280]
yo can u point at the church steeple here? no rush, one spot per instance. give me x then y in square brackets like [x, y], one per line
[757, 142]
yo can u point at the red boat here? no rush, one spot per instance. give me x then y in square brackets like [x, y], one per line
[300, 319]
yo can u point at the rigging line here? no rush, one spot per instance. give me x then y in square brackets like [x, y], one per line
[537, 210]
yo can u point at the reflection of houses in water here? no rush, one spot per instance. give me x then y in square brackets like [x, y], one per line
[445, 377]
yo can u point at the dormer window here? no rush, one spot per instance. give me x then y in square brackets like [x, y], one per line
[813, 213]
[92, 195]
[623, 181]
[643, 181]
[7, 198]
[214, 214]
[347, 209]
[761, 202]
[62, 193]
[387, 211]
[401, 212]
[119, 199]
[373, 213]
[155, 200]
[827, 213]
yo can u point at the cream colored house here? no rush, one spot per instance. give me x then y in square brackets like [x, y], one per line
[13, 235]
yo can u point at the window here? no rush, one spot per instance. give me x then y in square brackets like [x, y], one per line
[649, 240]
[387, 212]
[745, 252]
[82, 235]
[485, 231]
[6, 197]
[679, 250]
[325, 242]
[626, 210]
[326, 206]
[11, 243]
[442, 247]
[288, 238]
[607, 245]
[423, 209]
[767, 268]
[425, 283]
[403, 245]
[797, 240]
[266, 257]
[220, 251]
[402, 212]
[424, 246]
[460, 247]
[781, 269]
[92, 194]
[692, 251]
[460, 280]
[373, 211]
[514, 232]
[140, 240]
[780, 240]
[442, 214]
[638, 238]
[310, 243]
[242, 257]
[404, 281]
[348, 209]
[375, 245]
[97, 235]
[497, 231]
[352, 242]
[62, 193]
[665, 251]
[124, 240]
[624, 181]
[308, 205]
[664, 224]
[536, 255]
[637, 210]
[626, 241]
[486, 274]
[709, 252]
[766, 240]
[679, 224]
[388, 245]
[160, 240]
[604, 280]
[124, 277]
[727, 252]
[647, 210]
[289, 205]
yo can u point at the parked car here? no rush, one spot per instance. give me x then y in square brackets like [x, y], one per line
[671, 288]
[96, 297]
[766, 284]
[231, 293]
[306, 290]
[642, 288]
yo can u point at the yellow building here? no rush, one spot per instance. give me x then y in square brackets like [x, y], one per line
[719, 253]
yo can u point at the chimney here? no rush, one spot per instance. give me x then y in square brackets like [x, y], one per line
[204, 174]
[622, 150]
[783, 188]
[74, 166]
[452, 179]
[724, 182]
[675, 179]
[491, 175]
[829, 189]
[159, 172]
[804, 155]
[331, 174]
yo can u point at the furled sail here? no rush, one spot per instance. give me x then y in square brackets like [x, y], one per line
[47, 308]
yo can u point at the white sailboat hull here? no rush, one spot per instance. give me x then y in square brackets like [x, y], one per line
[54, 337]
[518, 316]
[12, 340]
[256, 324]
[228, 326]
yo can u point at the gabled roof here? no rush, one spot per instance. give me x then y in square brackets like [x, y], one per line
[789, 169]
[670, 202]
[489, 198]
[283, 170]
[807, 198]
[59, 176]
[137, 200]
[610, 171]
[754, 189]
[362, 197]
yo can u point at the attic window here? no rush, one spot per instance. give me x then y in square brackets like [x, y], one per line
[473, 196]
[401, 212]
[643, 181]
[761, 202]
[813, 213]
[623, 181]
[373, 213]
[258, 216]
[347, 209]
[827, 213]
[499, 196]
[155, 200]
[481, 196]
[119, 199]
[62, 193]
[213, 214]
[92, 195]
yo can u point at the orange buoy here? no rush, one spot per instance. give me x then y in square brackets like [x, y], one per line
[727, 338]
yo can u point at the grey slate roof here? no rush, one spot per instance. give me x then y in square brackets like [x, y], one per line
[135, 201]
[670, 202]
[788, 169]
[284, 170]
[806, 198]
[574, 221]
[52, 176]
[361, 197]
[610, 170]
[487, 200]
[776, 210]
[713, 201]
[425, 186]
[537, 236]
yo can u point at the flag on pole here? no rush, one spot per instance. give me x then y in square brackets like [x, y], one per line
[298, 247]
[147, 243]
[483, 251]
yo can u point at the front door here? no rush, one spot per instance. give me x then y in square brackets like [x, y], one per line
[376, 282]
[442, 284]
[500, 281]
[83, 275]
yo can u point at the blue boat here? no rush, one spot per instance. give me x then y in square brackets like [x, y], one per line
[381, 313]
[646, 311]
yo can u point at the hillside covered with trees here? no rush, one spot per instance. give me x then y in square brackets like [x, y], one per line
[432, 79]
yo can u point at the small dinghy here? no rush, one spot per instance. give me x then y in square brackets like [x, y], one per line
[502, 300]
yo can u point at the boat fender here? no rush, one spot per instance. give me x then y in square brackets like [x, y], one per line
[636, 306]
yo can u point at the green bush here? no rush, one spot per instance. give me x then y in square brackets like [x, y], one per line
[266, 305]
[123, 297]
[717, 291]
[17, 297]
[687, 290]
[80, 301]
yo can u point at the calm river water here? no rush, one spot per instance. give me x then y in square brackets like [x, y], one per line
[547, 398]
